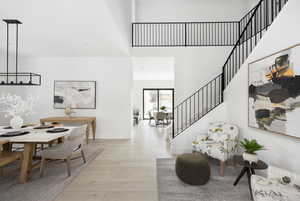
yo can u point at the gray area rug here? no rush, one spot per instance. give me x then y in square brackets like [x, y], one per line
[50, 185]
[217, 189]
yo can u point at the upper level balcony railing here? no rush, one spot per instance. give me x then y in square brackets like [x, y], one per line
[164, 34]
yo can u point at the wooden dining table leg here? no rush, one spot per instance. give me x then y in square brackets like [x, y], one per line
[94, 129]
[60, 140]
[26, 162]
[88, 132]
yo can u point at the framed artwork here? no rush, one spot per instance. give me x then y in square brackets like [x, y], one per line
[75, 94]
[274, 92]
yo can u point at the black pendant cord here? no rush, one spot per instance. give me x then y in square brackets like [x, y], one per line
[17, 47]
[7, 54]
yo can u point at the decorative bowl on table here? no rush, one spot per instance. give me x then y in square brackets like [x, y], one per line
[57, 130]
[14, 133]
[44, 127]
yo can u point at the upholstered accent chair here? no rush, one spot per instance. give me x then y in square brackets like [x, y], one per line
[273, 188]
[220, 142]
[72, 144]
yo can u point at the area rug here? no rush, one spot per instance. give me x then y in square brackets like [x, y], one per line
[217, 189]
[50, 185]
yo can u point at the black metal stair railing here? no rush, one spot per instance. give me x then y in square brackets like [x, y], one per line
[166, 34]
[197, 105]
[262, 17]
[210, 96]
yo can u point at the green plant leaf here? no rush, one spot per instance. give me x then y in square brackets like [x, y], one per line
[251, 146]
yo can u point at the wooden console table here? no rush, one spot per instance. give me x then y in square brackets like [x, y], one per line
[90, 121]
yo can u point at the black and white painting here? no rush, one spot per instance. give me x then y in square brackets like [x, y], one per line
[75, 94]
[274, 92]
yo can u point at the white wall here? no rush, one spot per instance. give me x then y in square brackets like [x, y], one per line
[194, 67]
[252, 3]
[153, 68]
[191, 10]
[114, 85]
[121, 12]
[139, 85]
[282, 151]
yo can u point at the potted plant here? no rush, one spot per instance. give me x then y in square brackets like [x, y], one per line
[251, 147]
[163, 108]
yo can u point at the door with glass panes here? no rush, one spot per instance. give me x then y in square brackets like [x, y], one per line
[156, 100]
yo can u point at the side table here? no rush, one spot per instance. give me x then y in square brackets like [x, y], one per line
[248, 169]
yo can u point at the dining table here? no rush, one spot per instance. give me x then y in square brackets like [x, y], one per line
[90, 121]
[29, 140]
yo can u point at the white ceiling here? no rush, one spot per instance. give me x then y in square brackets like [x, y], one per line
[66, 28]
[153, 68]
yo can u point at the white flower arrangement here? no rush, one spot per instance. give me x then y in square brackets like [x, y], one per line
[13, 105]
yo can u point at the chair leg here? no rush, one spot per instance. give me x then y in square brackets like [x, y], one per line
[43, 161]
[222, 168]
[69, 166]
[83, 156]
[35, 149]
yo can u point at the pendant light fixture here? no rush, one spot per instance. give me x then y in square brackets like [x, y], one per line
[15, 77]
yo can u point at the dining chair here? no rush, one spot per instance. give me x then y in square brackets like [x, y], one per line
[7, 157]
[71, 145]
[136, 116]
[160, 118]
[150, 116]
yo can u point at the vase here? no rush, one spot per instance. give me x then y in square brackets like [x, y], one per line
[68, 111]
[251, 158]
[16, 122]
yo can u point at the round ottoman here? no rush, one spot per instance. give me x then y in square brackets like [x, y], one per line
[193, 169]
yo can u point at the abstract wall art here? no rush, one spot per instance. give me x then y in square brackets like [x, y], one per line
[75, 94]
[274, 92]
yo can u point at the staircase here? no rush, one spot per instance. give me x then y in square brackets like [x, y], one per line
[243, 35]
[208, 97]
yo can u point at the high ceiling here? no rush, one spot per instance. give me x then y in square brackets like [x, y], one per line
[68, 28]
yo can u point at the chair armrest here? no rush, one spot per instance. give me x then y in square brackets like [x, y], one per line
[195, 142]
[199, 138]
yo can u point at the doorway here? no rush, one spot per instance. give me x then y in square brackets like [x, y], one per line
[157, 100]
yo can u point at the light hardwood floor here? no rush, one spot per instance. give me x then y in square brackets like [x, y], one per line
[124, 171]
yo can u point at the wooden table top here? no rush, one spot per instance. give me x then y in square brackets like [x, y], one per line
[260, 165]
[2, 142]
[35, 135]
[67, 119]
